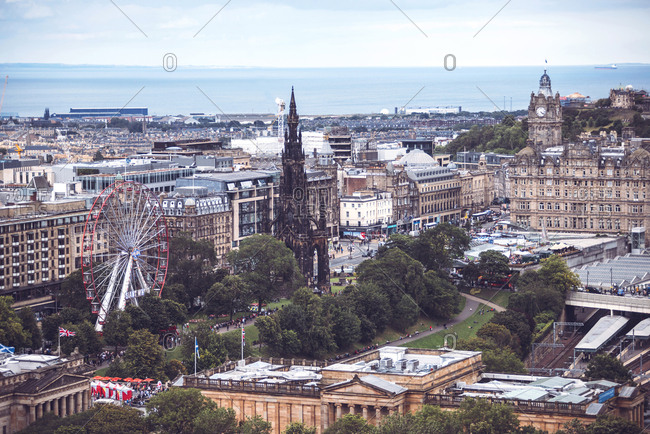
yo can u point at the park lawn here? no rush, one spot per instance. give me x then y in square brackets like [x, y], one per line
[101, 372]
[422, 325]
[174, 353]
[278, 304]
[500, 297]
[463, 330]
[338, 286]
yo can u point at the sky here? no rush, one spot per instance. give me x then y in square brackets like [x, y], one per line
[330, 33]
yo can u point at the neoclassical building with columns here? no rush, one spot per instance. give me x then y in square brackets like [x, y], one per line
[33, 385]
[374, 385]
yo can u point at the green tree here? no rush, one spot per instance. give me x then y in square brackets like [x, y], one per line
[437, 247]
[496, 358]
[350, 423]
[228, 296]
[85, 338]
[192, 264]
[174, 368]
[608, 424]
[519, 328]
[270, 333]
[368, 301]
[140, 320]
[497, 333]
[30, 326]
[98, 156]
[480, 416]
[177, 409]
[299, 428]
[12, 333]
[50, 327]
[255, 425]
[215, 420]
[144, 357]
[267, 265]
[471, 272]
[493, 264]
[72, 292]
[117, 329]
[113, 419]
[604, 424]
[556, 273]
[606, 367]
[212, 349]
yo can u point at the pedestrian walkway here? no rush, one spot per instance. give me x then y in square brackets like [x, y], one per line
[471, 305]
[485, 302]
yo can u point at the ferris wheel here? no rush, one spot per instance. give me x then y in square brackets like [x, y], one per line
[125, 248]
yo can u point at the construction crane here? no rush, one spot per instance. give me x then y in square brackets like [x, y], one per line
[281, 107]
[19, 150]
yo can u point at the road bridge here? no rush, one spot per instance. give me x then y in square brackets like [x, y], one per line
[611, 302]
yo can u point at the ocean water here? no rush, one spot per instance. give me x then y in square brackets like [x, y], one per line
[319, 91]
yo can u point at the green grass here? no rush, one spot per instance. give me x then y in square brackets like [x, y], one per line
[173, 354]
[463, 330]
[495, 296]
[101, 372]
[337, 286]
[278, 304]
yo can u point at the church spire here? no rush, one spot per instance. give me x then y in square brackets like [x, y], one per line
[293, 141]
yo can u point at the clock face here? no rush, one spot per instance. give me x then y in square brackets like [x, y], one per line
[541, 111]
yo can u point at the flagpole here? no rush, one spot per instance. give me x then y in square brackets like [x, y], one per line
[194, 355]
[59, 343]
[242, 341]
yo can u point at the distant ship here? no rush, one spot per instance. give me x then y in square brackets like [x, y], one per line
[612, 66]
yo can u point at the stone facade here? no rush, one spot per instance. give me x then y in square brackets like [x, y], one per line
[207, 217]
[342, 389]
[545, 116]
[302, 217]
[621, 98]
[62, 389]
[576, 187]
[40, 244]
[580, 189]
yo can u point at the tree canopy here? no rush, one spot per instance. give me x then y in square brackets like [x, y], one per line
[267, 265]
[607, 367]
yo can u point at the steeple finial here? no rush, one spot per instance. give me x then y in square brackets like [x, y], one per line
[293, 111]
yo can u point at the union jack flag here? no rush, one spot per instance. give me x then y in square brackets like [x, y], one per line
[64, 332]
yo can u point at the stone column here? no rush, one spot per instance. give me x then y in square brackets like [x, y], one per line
[364, 411]
[84, 400]
[64, 407]
[400, 408]
[351, 408]
[78, 397]
[55, 406]
[391, 411]
[325, 415]
[338, 411]
[39, 410]
[32, 414]
[378, 414]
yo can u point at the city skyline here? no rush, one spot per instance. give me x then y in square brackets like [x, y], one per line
[375, 34]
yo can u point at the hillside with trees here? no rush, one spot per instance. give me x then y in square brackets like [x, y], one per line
[508, 137]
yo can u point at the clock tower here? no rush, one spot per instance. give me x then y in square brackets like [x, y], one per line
[544, 116]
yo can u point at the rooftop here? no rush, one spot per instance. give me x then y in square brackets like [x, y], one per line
[605, 329]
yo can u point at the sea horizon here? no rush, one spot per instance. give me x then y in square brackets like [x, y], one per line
[319, 91]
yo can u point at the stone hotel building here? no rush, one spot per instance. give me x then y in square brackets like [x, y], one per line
[580, 187]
